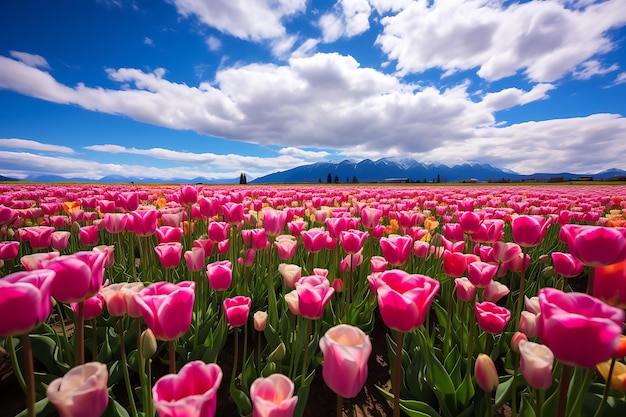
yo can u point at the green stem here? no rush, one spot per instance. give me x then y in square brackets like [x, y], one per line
[172, 352]
[149, 412]
[15, 364]
[29, 371]
[522, 286]
[576, 409]
[607, 387]
[94, 340]
[539, 403]
[80, 334]
[397, 374]
[271, 292]
[305, 359]
[233, 374]
[129, 390]
[514, 389]
[566, 375]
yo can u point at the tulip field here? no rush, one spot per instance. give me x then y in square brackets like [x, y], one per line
[190, 300]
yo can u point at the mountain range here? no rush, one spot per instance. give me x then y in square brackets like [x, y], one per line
[365, 171]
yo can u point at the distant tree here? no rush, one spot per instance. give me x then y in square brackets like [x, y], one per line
[354, 180]
[438, 179]
[347, 180]
[319, 180]
[329, 179]
[425, 180]
[243, 179]
[336, 179]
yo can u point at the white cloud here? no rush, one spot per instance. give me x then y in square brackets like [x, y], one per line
[620, 79]
[545, 39]
[349, 18]
[213, 43]
[33, 145]
[148, 41]
[511, 97]
[31, 60]
[254, 20]
[593, 67]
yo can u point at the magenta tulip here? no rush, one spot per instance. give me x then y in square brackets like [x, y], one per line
[352, 240]
[81, 392]
[25, 301]
[194, 259]
[9, 249]
[233, 212]
[313, 293]
[404, 299]
[396, 249]
[273, 396]
[469, 220]
[188, 195]
[39, 237]
[144, 222]
[378, 263]
[127, 200]
[566, 264]
[255, 238]
[169, 234]
[481, 273]
[190, 393]
[88, 235]
[579, 329]
[218, 231]
[529, 231]
[346, 351]
[465, 290]
[314, 239]
[274, 221]
[115, 222]
[536, 364]
[169, 254]
[286, 246]
[595, 245]
[370, 217]
[60, 240]
[78, 276]
[237, 310]
[167, 308]
[220, 275]
[92, 306]
[491, 317]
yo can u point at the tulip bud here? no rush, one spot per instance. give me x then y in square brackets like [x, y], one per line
[277, 354]
[260, 320]
[547, 272]
[147, 343]
[516, 339]
[486, 373]
[337, 285]
[75, 227]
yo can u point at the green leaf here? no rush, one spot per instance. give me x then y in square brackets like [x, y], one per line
[45, 350]
[43, 408]
[244, 406]
[503, 392]
[303, 397]
[527, 408]
[465, 392]
[418, 409]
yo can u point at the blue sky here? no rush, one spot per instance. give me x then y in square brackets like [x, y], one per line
[213, 88]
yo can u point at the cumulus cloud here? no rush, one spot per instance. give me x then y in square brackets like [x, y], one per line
[253, 20]
[592, 67]
[544, 39]
[213, 43]
[32, 60]
[33, 145]
[349, 18]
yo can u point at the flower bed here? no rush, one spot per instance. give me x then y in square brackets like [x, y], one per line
[188, 300]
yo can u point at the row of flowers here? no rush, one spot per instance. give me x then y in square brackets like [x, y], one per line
[474, 285]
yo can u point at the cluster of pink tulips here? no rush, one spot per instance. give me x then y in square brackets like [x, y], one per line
[490, 296]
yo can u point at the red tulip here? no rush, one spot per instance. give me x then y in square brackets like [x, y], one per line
[167, 308]
[454, 263]
[491, 317]
[25, 301]
[190, 393]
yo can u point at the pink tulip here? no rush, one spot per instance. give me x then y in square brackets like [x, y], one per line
[78, 276]
[490, 231]
[9, 249]
[296, 227]
[481, 273]
[465, 290]
[119, 298]
[188, 195]
[469, 220]
[144, 222]
[60, 240]
[81, 392]
[167, 308]
[273, 396]
[313, 293]
[396, 249]
[337, 225]
[566, 265]
[491, 317]
[314, 239]
[190, 393]
[169, 234]
[286, 246]
[528, 324]
[291, 274]
[404, 299]
[169, 254]
[595, 245]
[274, 221]
[291, 298]
[218, 231]
[88, 235]
[609, 284]
[237, 310]
[486, 373]
[194, 259]
[127, 200]
[529, 231]
[92, 307]
[453, 232]
[378, 263]
[7, 215]
[220, 275]
[37, 260]
[579, 329]
[115, 222]
[370, 217]
[504, 252]
[495, 291]
[39, 237]
[346, 350]
[516, 340]
[260, 320]
[206, 244]
[352, 240]
[233, 212]
[25, 301]
[536, 364]
[255, 238]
